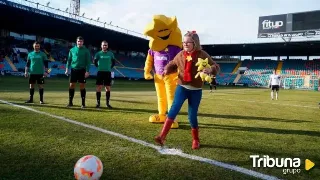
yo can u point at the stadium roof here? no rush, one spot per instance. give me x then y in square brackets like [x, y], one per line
[306, 48]
[26, 20]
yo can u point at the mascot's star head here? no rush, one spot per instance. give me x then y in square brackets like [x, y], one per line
[163, 31]
[204, 62]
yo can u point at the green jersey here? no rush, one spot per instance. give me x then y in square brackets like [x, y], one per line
[104, 60]
[36, 61]
[79, 58]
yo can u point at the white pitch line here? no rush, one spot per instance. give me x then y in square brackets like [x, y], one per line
[160, 149]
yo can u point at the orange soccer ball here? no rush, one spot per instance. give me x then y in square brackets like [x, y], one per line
[88, 168]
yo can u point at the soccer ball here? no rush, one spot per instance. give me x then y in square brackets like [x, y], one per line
[88, 168]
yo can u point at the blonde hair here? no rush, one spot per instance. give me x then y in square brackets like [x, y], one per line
[196, 40]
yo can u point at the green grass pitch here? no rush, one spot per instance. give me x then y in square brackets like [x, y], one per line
[234, 123]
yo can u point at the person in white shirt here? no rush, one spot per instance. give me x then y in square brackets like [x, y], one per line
[274, 83]
[112, 77]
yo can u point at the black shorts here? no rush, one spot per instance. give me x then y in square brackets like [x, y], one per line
[275, 87]
[78, 75]
[213, 83]
[104, 78]
[36, 78]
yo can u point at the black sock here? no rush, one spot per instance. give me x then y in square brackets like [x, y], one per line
[31, 94]
[83, 96]
[41, 94]
[210, 87]
[215, 87]
[108, 96]
[71, 95]
[98, 95]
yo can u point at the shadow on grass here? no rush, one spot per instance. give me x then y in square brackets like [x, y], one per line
[253, 129]
[45, 161]
[86, 109]
[149, 111]
[74, 107]
[29, 163]
[130, 101]
[65, 89]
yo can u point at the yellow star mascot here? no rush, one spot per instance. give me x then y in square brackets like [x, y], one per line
[165, 43]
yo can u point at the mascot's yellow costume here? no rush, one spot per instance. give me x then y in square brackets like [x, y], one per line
[165, 43]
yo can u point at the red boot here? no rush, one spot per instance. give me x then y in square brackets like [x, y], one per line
[195, 138]
[165, 130]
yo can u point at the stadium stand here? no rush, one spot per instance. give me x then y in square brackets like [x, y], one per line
[255, 80]
[257, 72]
[6, 66]
[225, 79]
[227, 67]
[126, 66]
[258, 67]
[301, 67]
[295, 73]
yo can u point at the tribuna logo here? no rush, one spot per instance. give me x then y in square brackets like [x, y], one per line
[270, 162]
[267, 24]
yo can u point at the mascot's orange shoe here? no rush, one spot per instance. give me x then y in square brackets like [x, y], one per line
[175, 125]
[157, 118]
